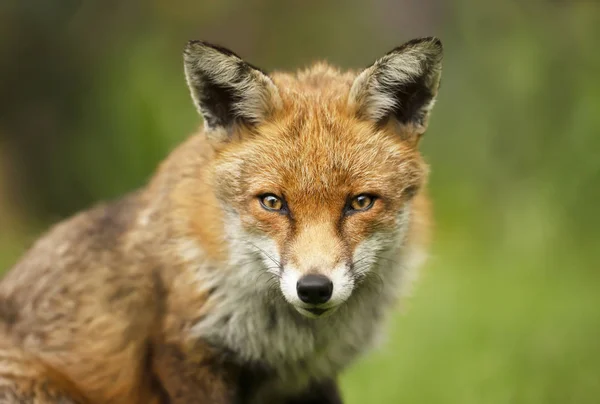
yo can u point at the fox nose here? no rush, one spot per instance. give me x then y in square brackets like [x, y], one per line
[314, 289]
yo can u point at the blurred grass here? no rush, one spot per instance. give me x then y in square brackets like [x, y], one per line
[508, 310]
[483, 330]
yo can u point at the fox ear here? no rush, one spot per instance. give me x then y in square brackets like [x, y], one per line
[226, 89]
[401, 85]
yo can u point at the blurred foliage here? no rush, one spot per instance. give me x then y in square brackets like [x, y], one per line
[508, 310]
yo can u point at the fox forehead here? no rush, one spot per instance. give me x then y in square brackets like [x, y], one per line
[316, 147]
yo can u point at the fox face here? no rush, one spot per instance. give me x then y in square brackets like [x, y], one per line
[317, 172]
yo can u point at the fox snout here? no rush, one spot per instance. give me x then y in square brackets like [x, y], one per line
[314, 289]
[316, 294]
[316, 278]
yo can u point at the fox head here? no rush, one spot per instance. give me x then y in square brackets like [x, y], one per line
[317, 172]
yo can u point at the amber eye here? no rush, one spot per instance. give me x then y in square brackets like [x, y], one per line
[361, 203]
[271, 202]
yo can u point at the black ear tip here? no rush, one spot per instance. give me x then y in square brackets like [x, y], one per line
[193, 46]
[429, 43]
[194, 42]
[434, 40]
[196, 46]
[436, 43]
[426, 40]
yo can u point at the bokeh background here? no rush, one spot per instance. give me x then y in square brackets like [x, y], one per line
[508, 309]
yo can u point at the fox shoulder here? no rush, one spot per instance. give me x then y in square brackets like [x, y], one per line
[83, 301]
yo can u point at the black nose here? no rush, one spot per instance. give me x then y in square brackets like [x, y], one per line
[314, 289]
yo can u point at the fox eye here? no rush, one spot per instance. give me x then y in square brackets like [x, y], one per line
[271, 202]
[360, 203]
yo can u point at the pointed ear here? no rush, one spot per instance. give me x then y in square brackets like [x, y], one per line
[227, 90]
[402, 85]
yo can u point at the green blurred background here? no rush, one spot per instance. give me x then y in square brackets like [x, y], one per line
[508, 309]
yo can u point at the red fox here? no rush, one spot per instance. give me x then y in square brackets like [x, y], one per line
[258, 262]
